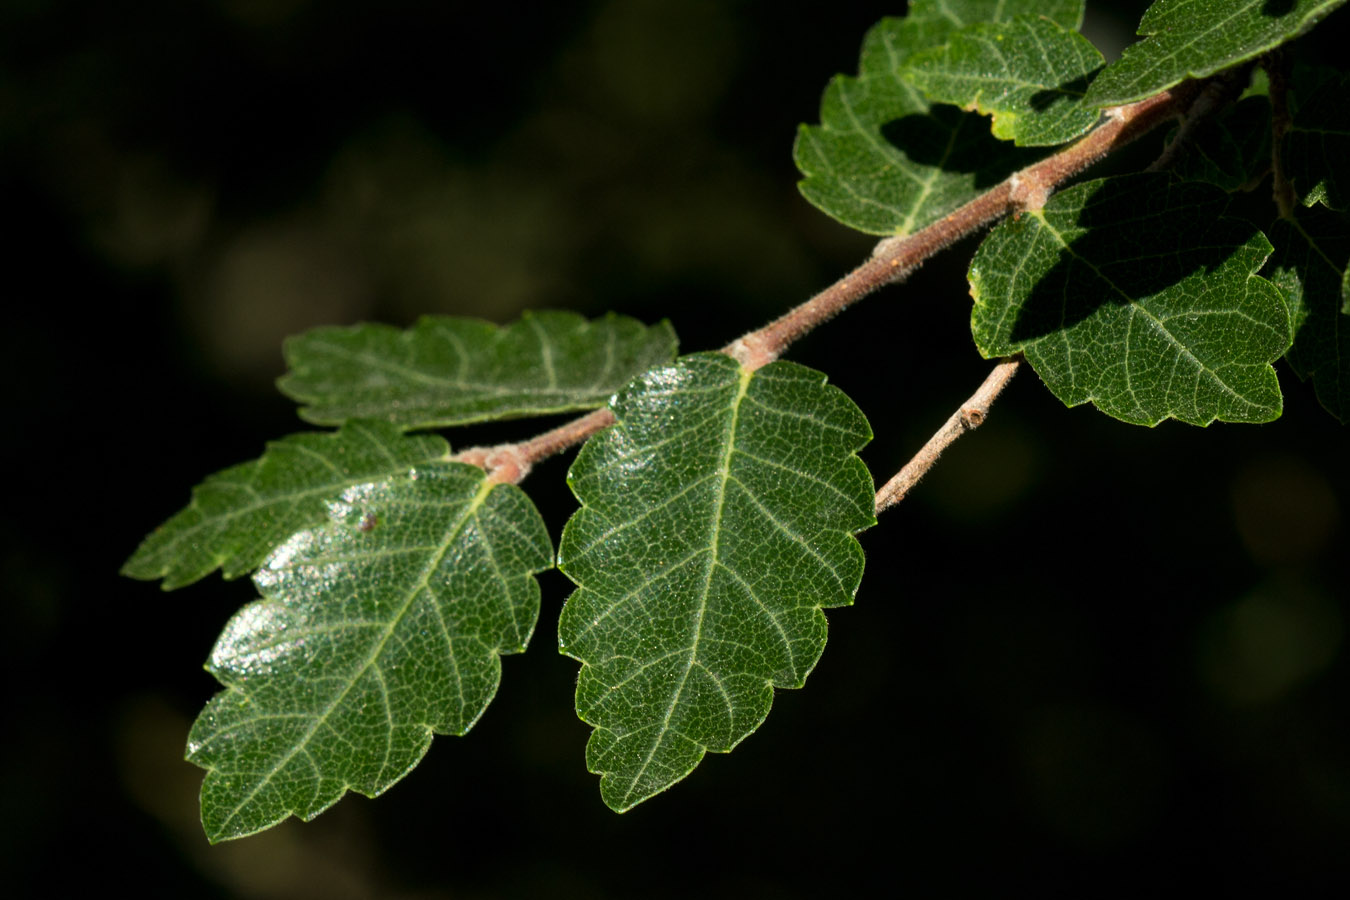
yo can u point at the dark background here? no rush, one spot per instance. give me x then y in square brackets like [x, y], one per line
[1085, 654]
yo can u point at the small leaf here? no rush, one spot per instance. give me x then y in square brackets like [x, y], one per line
[451, 371]
[239, 515]
[1137, 294]
[881, 160]
[1309, 266]
[1317, 145]
[717, 520]
[376, 631]
[1195, 38]
[1029, 73]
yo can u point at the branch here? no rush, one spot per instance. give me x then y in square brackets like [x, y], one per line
[895, 258]
[510, 463]
[970, 416]
[892, 261]
[1276, 65]
[1217, 93]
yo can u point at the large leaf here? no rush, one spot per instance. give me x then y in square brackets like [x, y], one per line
[717, 521]
[880, 160]
[376, 631]
[1137, 294]
[450, 371]
[239, 515]
[1195, 38]
[1029, 73]
[1309, 265]
[1317, 145]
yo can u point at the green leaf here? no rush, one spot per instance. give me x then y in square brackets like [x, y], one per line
[956, 13]
[377, 630]
[239, 515]
[717, 520]
[1029, 73]
[881, 160]
[451, 371]
[1232, 151]
[1310, 265]
[1317, 145]
[1195, 38]
[1137, 294]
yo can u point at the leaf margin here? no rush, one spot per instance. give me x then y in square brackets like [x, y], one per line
[348, 514]
[567, 563]
[453, 406]
[158, 555]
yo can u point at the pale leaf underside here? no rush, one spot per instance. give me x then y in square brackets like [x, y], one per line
[1136, 294]
[375, 631]
[452, 371]
[717, 520]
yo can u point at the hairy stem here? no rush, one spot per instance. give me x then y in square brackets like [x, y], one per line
[895, 258]
[891, 262]
[970, 416]
[510, 463]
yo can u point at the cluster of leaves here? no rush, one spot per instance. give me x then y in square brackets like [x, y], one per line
[1140, 294]
[718, 513]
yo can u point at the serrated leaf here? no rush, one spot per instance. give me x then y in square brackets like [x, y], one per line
[1030, 74]
[239, 515]
[375, 631]
[1230, 152]
[452, 371]
[1310, 265]
[881, 160]
[1137, 294]
[717, 521]
[1317, 145]
[1194, 38]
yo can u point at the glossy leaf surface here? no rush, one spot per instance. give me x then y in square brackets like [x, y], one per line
[717, 520]
[377, 630]
[1309, 265]
[239, 515]
[451, 371]
[881, 160]
[1194, 38]
[1029, 73]
[1138, 295]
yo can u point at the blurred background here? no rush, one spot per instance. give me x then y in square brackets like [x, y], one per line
[1085, 654]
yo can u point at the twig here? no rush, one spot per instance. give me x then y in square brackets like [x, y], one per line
[510, 463]
[892, 261]
[970, 416]
[1216, 94]
[1276, 65]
